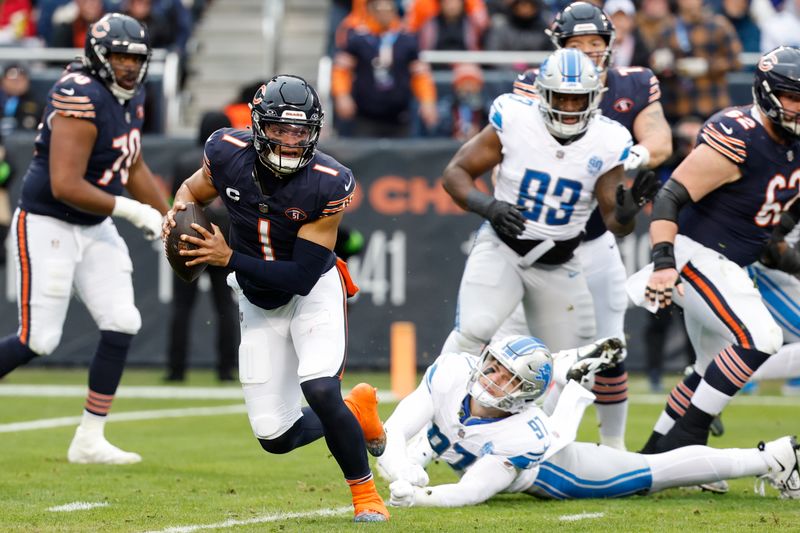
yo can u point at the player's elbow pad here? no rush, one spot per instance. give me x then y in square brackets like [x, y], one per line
[669, 201]
[298, 276]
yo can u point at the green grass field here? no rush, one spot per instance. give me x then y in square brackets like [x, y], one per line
[209, 473]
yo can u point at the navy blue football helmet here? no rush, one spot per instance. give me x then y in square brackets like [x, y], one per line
[286, 107]
[778, 72]
[116, 33]
[583, 18]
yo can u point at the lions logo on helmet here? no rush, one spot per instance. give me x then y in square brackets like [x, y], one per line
[116, 34]
[287, 119]
[568, 71]
[528, 367]
[779, 73]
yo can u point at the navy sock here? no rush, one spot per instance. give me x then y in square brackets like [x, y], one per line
[105, 371]
[342, 432]
[13, 354]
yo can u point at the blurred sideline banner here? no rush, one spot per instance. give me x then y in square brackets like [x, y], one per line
[417, 242]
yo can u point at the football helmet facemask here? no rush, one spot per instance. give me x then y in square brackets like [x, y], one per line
[287, 119]
[583, 18]
[778, 72]
[116, 33]
[568, 71]
[530, 365]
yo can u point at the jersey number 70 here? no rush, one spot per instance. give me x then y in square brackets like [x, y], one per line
[536, 185]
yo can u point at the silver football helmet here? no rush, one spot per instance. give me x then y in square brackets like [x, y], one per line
[530, 365]
[568, 71]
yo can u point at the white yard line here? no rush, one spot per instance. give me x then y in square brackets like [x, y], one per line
[582, 516]
[122, 417]
[77, 506]
[149, 393]
[257, 520]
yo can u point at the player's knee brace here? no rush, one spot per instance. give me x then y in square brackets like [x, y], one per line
[125, 318]
[44, 343]
[768, 338]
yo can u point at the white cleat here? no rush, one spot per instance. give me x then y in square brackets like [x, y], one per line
[784, 475]
[596, 357]
[93, 448]
[716, 487]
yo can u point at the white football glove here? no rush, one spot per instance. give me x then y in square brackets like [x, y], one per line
[402, 470]
[140, 215]
[638, 157]
[403, 493]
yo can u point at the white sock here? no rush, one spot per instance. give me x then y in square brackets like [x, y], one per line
[612, 418]
[93, 423]
[695, 465]
[785, 364]
[664, 423]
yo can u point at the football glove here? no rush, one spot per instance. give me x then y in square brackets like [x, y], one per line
[630, 201]
[140, 215]
[780, 256]
[638, 157]
[506, 219]
[402, 493]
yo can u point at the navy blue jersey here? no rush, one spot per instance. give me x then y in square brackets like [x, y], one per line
[265, 224]
[736, 219]
[628, 91]
[78, 94]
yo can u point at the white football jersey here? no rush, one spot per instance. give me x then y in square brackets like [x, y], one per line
[460, 439]
[553, 182]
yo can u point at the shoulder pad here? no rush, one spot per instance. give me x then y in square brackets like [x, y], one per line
[78, 95]
[727, 132]
[221, 141]
[448, 368]
[505, 109]
[524, 84]
[338, 184]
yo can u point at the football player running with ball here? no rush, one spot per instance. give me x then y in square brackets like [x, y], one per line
[286, 200]
[87, 152]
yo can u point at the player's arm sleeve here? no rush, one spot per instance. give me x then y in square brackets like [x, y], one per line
[297, 276]
[489, 475]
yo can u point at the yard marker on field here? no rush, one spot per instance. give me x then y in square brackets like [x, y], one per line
[258, 520]
[403, 366]
[582, 516]
[77, 506]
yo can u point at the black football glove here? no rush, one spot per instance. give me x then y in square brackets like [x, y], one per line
[630, 201]
[787, 260]
[506, 219]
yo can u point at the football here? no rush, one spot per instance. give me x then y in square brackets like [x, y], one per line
[183, 225]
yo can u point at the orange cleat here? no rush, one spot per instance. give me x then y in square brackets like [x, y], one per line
[363, 403]
[367, 503]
